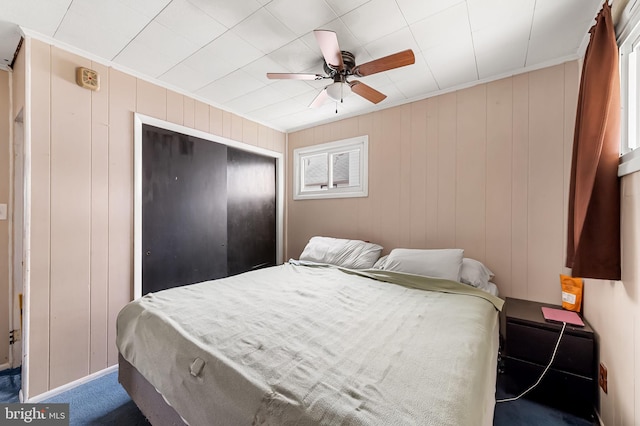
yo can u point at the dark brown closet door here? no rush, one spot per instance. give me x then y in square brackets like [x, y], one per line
[184, 209]
[251, 211]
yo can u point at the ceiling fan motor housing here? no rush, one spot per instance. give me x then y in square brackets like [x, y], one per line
[349, 61]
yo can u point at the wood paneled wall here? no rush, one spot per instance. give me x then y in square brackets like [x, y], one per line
[82, 205]
[613, 308]
[484, 169]
[5, 182]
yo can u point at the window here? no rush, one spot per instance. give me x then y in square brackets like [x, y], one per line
[629, 43]
[332, 170]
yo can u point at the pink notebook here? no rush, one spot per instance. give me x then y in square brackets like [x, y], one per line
[560, 315]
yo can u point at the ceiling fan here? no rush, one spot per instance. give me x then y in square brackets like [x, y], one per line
[339, 65]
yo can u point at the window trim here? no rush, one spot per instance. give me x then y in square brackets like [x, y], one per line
[628, 33]
[361, 143]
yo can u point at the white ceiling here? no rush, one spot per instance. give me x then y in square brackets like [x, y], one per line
[220, 50]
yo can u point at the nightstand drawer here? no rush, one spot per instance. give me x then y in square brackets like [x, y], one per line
[575, 354]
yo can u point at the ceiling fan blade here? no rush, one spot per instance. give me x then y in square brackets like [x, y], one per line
[397, 60]
[293, 76]
[320, 99]
[328, 42]
[367, 92]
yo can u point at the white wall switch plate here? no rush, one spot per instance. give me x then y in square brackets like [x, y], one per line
[3, 212]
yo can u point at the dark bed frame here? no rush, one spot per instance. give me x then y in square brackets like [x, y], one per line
[150, 402]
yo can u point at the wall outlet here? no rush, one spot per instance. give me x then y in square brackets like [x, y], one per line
[602, 377]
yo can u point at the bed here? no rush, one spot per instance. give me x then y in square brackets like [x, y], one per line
[306, 344]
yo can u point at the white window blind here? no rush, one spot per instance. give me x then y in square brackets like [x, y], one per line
[332, 170]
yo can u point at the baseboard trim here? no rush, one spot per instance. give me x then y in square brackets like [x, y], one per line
[57, 391]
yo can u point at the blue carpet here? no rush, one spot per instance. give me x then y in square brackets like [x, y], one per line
[101, 402]
[10, 385]
[524, 412]
[104, 402]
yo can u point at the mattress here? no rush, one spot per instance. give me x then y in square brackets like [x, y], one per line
[317, 345]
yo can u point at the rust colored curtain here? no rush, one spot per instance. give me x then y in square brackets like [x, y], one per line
[593, 243]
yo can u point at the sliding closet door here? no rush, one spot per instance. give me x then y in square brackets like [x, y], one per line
[251, 211]
[184, 209]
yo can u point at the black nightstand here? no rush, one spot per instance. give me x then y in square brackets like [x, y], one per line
[529, 340]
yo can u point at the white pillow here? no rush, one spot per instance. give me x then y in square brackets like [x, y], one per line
[352, 254]
[475, 273]
[381, 262]
[441, 263]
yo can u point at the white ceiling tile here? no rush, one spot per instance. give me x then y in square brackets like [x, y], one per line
[259, 68]
[139, 57]
[225, 54]
[393, 43]
[452, 64]
[445, 27]
[497, 54]
[500, 31]
[301, 16]
[374, 20]
[229, 87]
[98, 43]
[228, 12]
[285, 123]
[254, 28]
[185, 77]
[257, 99]
[558, 29]
[279, 109]
[155, 50]
[297, 57]
[100, 27]
[292, 88]
[340, 7]
[148, 8]
[190, 22]
[43, 16]
[415, 11]
[500, 14]
[166, 41]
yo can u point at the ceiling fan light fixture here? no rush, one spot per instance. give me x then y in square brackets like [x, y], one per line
[338, 90]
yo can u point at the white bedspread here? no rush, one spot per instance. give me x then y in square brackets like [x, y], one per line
[302, 345]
